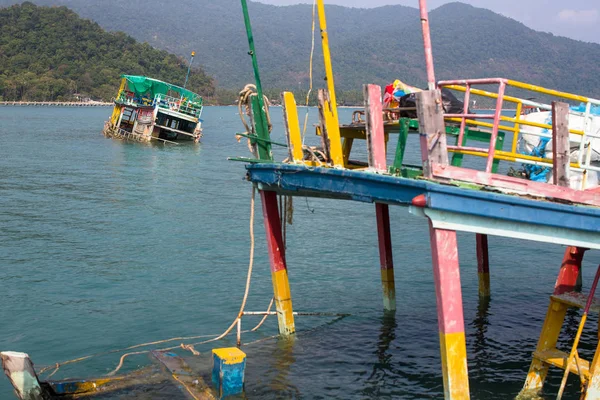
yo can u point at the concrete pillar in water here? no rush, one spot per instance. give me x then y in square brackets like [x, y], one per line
[385, 257]
[483, 265]
[569, 276]
[446, 275]
[281, 284]
[228, 371]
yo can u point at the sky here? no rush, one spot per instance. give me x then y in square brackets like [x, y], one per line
[576, 19]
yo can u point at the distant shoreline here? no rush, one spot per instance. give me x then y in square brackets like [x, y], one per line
[56, 103]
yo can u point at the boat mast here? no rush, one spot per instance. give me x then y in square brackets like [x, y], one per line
[261, 124]
[189, 69]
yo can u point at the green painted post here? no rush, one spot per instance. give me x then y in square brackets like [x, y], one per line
[258, 106]
[401, 147]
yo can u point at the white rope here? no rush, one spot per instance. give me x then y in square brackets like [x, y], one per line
[310, 70]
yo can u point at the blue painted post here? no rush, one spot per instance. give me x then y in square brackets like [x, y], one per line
[229, 365]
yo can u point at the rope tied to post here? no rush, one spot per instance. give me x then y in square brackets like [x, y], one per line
[245, 112]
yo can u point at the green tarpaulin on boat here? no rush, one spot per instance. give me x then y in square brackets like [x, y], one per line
[142, 85]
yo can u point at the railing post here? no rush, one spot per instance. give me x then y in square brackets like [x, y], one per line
[434, 148]
[560, 144]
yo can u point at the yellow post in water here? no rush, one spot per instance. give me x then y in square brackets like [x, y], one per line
[331, 120]
[117, 110]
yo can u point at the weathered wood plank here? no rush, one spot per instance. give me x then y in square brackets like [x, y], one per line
[292, 126]
[560, 144]
[192, 383]
[21, 374]
[374, 125]
[434, 148]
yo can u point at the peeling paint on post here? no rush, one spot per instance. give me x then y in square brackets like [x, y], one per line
[446, 274]
[385, 257]
[281, 284]
[483, 265]
[19, 370]
[570, 270]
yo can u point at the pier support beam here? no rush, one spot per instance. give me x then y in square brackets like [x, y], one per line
[483, 265]
[569, 276]
[19, 370]
[385, 257]
[446, 274]
[281, 284]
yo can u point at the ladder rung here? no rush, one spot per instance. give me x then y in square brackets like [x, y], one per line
[575, 299]
[558, 359]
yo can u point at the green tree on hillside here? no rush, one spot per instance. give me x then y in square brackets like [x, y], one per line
[51, 54]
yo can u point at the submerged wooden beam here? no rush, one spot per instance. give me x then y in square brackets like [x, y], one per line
[21, 374]
[188, 380]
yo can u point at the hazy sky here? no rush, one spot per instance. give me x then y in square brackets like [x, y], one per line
[577, 19]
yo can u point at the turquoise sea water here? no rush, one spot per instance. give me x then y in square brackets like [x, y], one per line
[106, 244]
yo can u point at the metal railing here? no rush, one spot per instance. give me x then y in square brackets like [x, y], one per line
[587, 137]
[192, 109]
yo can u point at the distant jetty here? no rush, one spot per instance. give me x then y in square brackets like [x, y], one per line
[57, 103]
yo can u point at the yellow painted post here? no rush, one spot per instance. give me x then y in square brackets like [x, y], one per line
[517, 127]
[292, 126]
[331, 117]
[593, 386]
[548, 338]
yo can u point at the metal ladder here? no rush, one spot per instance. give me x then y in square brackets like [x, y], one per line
[546, 353]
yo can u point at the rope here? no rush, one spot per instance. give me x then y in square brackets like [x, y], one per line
[245, 112]
[310, 70]
[186, 387]
[246, 292]
[262, 321]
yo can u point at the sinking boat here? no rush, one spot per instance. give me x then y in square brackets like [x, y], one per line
[147, 109]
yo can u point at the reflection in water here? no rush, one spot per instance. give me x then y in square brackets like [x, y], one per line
[283, 359]
[481, 352]
[384, 364]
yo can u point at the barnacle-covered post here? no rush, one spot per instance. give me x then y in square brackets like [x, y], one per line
[272, 220]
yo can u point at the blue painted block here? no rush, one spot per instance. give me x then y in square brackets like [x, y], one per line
[229, 365]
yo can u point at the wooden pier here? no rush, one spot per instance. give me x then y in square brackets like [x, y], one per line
[56, 103]
[450, 198]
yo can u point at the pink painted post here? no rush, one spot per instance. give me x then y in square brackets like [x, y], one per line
[463, 123]
[427, 44]
[386, 259]
[377, 161]
[281, 285]
[570, 270]
[494, 137]
[446, 275]
[483, 265]
[374, 127]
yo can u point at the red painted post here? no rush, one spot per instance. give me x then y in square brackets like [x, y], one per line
[281, 285]
[446, 275]
[385, 257]
[483, 265]
[570, 271]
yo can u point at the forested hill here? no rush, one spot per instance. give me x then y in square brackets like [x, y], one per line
[51, 53]
[368, 45]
